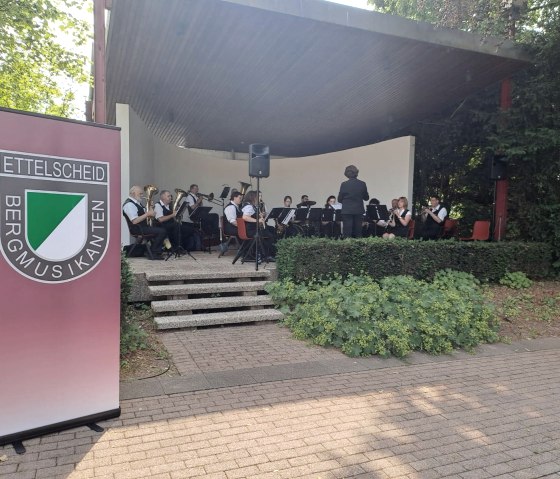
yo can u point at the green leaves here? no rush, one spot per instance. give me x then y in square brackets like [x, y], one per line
[392, 317]
[36, 72]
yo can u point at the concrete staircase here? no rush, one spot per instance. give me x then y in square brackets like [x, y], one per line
[189, 299]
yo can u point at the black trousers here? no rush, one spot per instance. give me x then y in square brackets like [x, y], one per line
[352, 225]
[157, 241]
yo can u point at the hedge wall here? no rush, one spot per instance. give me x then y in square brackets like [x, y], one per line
[300, 259]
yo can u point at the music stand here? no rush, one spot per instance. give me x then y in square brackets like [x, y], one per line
[377, 213]
[301, 214]
[178, 249]
[284, 213]
[315, 214]
[225, 192]
[200, 213]
[274, 214]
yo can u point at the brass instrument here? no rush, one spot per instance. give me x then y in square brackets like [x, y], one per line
[209, 197]
[179, 195]
[150, 191]
[244, 187]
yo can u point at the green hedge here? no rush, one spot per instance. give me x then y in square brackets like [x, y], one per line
[301, 259]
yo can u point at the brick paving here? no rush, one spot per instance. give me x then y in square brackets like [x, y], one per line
[493, 415]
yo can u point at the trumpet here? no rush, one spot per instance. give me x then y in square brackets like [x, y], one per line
[150, 191]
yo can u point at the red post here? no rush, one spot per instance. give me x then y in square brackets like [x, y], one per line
[99, 114]
[500, 206]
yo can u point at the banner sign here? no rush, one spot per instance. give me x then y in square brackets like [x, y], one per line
[59, 273]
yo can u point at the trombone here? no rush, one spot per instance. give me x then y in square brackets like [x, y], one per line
[209, 198]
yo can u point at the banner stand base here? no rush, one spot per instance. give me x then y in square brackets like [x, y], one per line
[17, 438]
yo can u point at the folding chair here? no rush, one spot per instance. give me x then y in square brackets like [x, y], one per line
[410, 234]
[228, 238]
[247, 244]
[481, 231]
[140, 237]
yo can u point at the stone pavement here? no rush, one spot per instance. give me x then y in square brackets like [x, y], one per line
[252, 402]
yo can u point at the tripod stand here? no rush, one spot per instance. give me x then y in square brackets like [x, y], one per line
[177, 251]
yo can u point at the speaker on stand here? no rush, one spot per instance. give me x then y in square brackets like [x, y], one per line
[259, 167]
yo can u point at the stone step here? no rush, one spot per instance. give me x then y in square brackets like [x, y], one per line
[214, 319]
[197, 275]
[210, 303]
[188, 289]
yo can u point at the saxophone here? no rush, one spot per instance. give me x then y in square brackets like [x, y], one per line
[150, 191]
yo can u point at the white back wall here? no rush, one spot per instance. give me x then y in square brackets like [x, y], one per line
[386, 167]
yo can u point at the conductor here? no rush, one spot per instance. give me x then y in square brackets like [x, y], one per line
[352, 195]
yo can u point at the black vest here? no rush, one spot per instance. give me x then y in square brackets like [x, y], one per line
[430, 222]
[398, 224]
[166, 211]
[140, 209]
[238, 212]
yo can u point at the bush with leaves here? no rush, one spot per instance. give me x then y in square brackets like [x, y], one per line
[516, 280]
[133, 337]
[394, 316]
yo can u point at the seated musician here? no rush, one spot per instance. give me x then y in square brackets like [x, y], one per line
[266, 234]
[138, 217]
[399, 220]
[287, 201]
[193, 201]
[330, 228]
[435, 218]
[231, 212]
[167, 218]
[376, 228]
[304, 200]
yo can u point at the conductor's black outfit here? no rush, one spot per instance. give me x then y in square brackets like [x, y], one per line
[352, 195]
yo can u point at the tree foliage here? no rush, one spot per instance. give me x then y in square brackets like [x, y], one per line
[36, 71]
[453, 148]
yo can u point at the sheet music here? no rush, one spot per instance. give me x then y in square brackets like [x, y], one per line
[288, 217]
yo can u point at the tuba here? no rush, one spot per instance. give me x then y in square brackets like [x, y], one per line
[179, 195]
[150, 191]
[244, 187]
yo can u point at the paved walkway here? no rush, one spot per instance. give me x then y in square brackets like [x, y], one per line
[252, 402]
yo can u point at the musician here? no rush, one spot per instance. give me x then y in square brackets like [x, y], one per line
[138, 218]
[304, 199]
[330, 228]
[167, 218]
[352, 195]
[399, 222]
[266, 234]
[231, 212]
[193, 200]
[435, 218]
[287, 201]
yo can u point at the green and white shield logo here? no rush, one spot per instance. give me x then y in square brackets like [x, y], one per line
[54, 224]
[61, 234]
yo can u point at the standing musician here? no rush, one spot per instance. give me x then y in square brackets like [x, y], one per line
[167, 218]
[137, 217]
[266, 234]
[400, 220]
[352, 195]
[435, 218]
[231, 212]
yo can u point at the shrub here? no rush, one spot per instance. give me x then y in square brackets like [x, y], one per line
[394, 316]
[301, 259]
[516, 280]
[133, 337]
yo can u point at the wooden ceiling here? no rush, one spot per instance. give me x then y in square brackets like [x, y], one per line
[303, 76]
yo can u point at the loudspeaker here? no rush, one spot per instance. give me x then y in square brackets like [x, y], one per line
[259, 161]
[499, 167]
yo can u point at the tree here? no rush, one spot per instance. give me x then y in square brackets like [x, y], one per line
[452, 147]
[36, 71]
